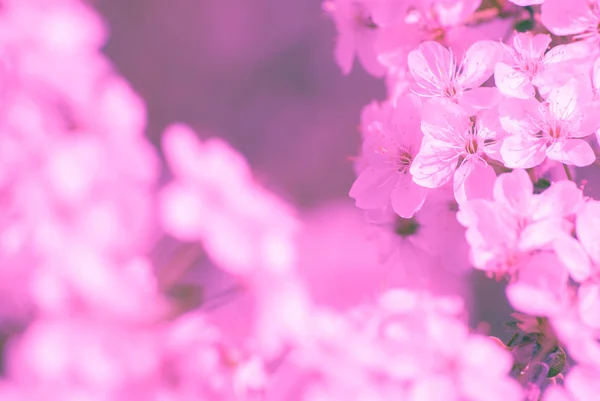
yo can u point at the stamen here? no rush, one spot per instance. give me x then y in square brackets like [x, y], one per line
[472, 146]
[403, 160]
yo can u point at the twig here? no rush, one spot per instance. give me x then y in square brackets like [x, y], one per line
[568, 172]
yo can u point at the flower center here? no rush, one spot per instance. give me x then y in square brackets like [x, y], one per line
[472, 145]
[403, 161]
[450, 90]
[555, 132]
[406, 227]
[530, 67]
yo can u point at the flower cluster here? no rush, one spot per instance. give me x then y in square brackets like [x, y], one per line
[494, 103]
[173, 273]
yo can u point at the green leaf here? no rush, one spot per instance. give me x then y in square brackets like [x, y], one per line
[524, 26]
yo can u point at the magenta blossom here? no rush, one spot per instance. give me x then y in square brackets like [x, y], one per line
[456, 145]
[528, 65]
[215, 200]
[577, 17]
[391, 142]
[357, 35]
[438, 74]
[550, 129]
[504, 232]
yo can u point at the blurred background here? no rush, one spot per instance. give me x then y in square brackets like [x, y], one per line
[258, 73]
[262, 75]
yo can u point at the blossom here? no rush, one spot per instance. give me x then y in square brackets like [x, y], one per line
[542, 286]
[216, 201]
[406, 345]
[357, 35]
[454, 145]
[579, 17]
[528, 64]
[552, 129]
[438, 74]
[582, 255]
[390, 144]
[427, 250]
[502, 233]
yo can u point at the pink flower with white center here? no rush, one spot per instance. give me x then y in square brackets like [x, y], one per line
[390, 144]
[455, 145]
[438, 74]
[527, 64]
[578, 17]
[550, 129]
[357, 35]
[504, 232]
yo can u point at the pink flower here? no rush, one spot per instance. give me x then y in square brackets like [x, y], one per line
[541, 288]
[357, 35]
[438, 74]
[454, 145]
[426, 250]
[582, 258]
[582, 255]
[550, 129]
[503, 232]
[527, 64]
[577, 17]
[215, 200]
[390, 144]
[407, 346]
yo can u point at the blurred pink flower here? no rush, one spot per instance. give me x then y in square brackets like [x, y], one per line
[215, 200]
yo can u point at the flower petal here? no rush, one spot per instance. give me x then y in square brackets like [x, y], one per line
[588, 229]
[515, 191]
[407, 197]
[573, 256]
[478, 64]
[372, 188]
[575, 152]
[434, 164]
[473, 180]
[523, 151]
[512, 82]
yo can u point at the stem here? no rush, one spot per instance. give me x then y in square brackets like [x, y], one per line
[512, 340]
[568, 173]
